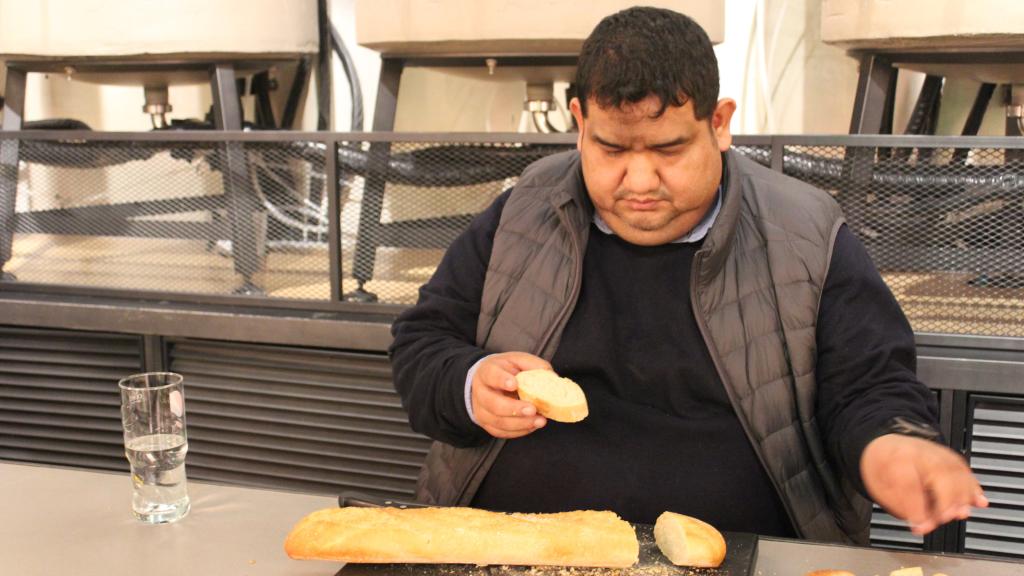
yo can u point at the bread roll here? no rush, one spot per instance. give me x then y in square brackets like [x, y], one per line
[557, 398]
[687, 541]
[464, 536]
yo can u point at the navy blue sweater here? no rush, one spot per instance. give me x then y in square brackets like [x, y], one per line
[661, 434]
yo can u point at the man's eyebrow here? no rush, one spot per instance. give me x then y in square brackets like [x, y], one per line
[670, 143]
[605, 143]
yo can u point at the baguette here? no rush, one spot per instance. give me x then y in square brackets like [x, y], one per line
[687, 541]
[557, 398]
[464, 536]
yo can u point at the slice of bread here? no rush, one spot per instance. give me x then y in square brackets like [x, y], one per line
[687, 541]
[557, 398]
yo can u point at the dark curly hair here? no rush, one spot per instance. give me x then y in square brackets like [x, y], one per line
[643, 51]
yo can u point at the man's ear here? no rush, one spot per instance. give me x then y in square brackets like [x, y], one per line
[720, 119]
[577, 113]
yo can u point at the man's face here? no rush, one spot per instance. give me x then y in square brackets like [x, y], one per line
[652, 179]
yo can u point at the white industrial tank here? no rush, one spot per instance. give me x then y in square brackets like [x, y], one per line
[491, 96]
[89, 35]
[932, 26]
[418, 28]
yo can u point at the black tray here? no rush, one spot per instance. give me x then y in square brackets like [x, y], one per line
[740, 557]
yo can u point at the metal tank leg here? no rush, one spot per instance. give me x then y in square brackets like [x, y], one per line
[14, 109]
[242, 205]
[369, 232]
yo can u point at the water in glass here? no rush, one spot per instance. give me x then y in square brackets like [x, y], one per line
[158, 477]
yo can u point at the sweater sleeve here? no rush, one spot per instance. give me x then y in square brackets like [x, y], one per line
[434, 341]
[866, 371]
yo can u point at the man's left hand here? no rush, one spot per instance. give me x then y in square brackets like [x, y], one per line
[920, 481]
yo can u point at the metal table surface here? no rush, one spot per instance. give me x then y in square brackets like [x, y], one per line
[792, 558]
[57, 520]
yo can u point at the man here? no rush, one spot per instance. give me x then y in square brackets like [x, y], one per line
[742, 358]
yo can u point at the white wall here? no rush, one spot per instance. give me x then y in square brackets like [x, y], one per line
[810, 85]
[367, 65]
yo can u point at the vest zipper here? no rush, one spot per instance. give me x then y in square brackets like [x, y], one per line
[712, 351]
[497, 443]
[576, 281]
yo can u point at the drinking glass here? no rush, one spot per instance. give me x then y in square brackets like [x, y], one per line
[153, 415]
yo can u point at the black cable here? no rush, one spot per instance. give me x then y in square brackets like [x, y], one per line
[354, 88]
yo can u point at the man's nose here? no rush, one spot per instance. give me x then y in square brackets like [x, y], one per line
[641, 176]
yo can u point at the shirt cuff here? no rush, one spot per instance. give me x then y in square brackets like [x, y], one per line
[468, 391]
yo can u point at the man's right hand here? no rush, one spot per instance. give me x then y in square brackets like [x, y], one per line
[496, 406]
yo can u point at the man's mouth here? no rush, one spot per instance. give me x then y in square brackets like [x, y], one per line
[642, 204]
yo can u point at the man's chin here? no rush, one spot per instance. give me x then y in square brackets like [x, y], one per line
[643, 232]
[645, 222]
[646, 237]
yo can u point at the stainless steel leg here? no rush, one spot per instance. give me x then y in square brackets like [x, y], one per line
[14, 109]
[242, 205]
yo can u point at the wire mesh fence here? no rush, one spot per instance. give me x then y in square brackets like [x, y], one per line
[403, 203]
[945, 226]
[233, 216]
[188, 217]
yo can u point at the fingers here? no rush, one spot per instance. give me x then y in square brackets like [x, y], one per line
[925, 483]
[498, 371]
[980, 500]
[516, 362]
[953, 487]
[503, 416]
[496, 406]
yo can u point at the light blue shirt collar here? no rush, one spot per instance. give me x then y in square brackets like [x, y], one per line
[696, 235]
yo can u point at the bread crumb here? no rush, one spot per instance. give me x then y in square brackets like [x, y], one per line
[913, 571]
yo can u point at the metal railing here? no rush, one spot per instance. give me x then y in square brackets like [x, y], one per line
[360, 220]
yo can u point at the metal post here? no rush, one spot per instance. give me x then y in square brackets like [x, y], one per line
[227, 115]
[777, 157]
[974, 119]
[153, 358]
[1015, 119]
[261, 86]
[324, 120]
[333, 192]
[957, 439]
[14, 110]
[926, 108]
[874, 88]
[368, 234]
[387, 94]
[299, 82]
[940, 539]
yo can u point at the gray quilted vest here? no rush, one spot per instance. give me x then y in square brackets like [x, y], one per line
[755, 288]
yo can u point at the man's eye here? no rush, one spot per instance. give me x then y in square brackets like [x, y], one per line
[613, 151]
